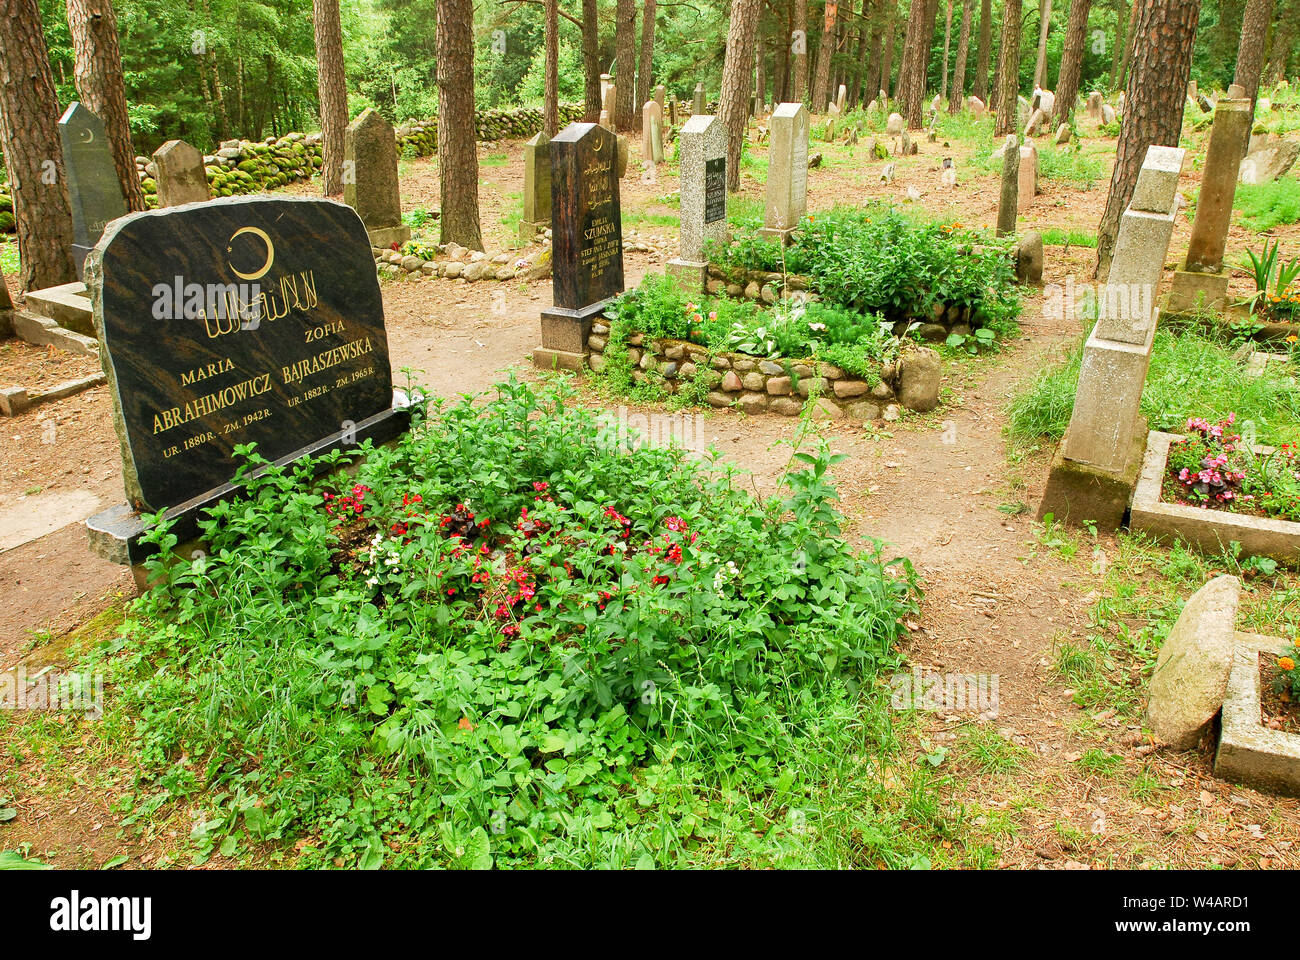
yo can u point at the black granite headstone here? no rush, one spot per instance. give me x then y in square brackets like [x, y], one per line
[715, 189]
[236, 321]
[94, 190]
[586, 238]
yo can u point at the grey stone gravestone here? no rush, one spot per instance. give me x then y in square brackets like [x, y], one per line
[181, 176]
[703, 178]
[586, 241]
[241, 320]
[370, 178]
[93, 187]
[537, 187]
[787, 172]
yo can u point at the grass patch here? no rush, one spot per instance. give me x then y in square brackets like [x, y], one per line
[1066, 237]
[636, 218]
[1190, 376]
[494, 160]
[9, 262]
[1262, 206]
[1070, 166]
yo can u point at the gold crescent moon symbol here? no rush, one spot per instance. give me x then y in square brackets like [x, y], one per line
[270, 253]
[86, 136]
[597, 145]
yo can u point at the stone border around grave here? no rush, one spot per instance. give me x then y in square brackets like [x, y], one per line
[758, 385]
[1211, 530]
[1249, 752]
[16, 400]
[766, 286]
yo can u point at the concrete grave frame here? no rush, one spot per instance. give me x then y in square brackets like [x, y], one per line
[1210, 530]
[1249, 752]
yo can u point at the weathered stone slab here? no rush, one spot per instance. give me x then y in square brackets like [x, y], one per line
[1218, 186]
[370, 177]
[1268, 163]
[537, 187]
[1106, 403]
[787, 171]
[1191, 673]
[181, 176]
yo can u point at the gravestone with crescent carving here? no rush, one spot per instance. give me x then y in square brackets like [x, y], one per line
[94, 190]
[242, 320]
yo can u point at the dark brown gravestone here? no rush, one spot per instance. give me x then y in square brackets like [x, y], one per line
[94, 191]
[243, 320]
[586, 241]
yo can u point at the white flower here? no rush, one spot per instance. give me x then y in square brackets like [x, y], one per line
[816, 326]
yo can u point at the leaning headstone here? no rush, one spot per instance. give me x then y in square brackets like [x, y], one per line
[94, 190]
[244, 320]
[1063, 134]
[1099, 460]
[181, 176]
[586, 241]
[1191, 673]
[976, 105]
[699, 105]
[370, 184]
[1107, 114]
[1202, 280]
[1009, 197]
[537, 187]
[703, 152]
[1268, 162]
[787, 172]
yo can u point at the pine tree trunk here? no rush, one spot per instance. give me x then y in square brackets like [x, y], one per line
[551, 97]
[1067, 81]
[1044, 22]
[1135, 7]
[799, 40]
[947, 40]
[457, 145]
[916, 56]
[871, 85]
[645, 71]
[1117, 51]
[1283, 39]
[760, 72]
[980, 89]
[1250, 50]
[957, 94]
[781, 66]
[97, 68]
[29, 138]
[820, 94]
[860, 57]
[1153, 104]
[733, 99]
[1008, 85]
[624, 65]
[590, 61]
[887, 58]
[331, 83]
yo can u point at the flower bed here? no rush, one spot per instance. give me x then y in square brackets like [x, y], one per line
[508, 639]
[936, 279]
[1249, 751]
[656, 343]
[1213, 529]
[1212, 468]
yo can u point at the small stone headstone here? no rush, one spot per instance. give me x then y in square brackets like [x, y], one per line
[1094, 107]
[699, 105]
[537, 187]
[1028, 176]
[1107, 114]
[1063, 133]
[93, 187]
[894, 125]
[651, 127]
[370, 184]
[976, 105]
[181, 175]
[787, 171]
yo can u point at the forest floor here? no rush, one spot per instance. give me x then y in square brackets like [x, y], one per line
[1061, 776]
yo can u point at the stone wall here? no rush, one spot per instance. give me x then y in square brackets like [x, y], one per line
[244, 166]
[764, 286]
[758, 385]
